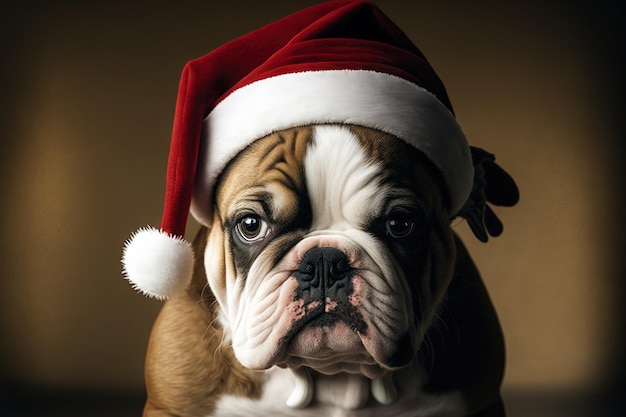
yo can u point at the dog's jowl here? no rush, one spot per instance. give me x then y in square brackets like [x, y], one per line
[321, 156]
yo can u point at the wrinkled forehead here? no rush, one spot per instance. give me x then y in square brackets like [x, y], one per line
[269, 172]
[328, 166]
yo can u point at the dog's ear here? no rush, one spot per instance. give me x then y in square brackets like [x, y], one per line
[492, 184]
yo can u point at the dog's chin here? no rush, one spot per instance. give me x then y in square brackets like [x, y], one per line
[331, 349]
[330, 344]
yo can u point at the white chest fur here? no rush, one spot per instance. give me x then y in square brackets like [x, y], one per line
[338, 395]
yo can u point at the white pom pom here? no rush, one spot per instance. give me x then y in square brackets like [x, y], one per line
[156, 263]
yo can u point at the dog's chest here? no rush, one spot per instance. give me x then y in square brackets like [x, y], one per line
[333, 396]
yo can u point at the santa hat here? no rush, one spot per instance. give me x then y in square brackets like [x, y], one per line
[335, 62]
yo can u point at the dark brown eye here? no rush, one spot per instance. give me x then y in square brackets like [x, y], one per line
[251, 229]
[400, 225]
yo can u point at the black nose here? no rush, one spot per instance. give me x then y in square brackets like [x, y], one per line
[323, 271]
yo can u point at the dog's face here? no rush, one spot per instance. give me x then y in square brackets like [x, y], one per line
[331, 248]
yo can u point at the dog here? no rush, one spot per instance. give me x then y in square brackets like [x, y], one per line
[330, 282]
[321, 156]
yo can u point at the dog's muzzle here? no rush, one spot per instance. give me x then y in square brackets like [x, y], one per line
[333, 303]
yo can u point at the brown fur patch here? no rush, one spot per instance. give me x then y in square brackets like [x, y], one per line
[274, 160]
[187, 367]
[404, 165]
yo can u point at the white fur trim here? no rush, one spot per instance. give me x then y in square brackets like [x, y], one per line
[156, 263]
[367, 98]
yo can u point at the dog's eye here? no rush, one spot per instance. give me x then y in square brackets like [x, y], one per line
[400, 225]
[251, 229]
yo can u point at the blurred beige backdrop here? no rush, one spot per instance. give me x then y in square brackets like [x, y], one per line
[88, 99]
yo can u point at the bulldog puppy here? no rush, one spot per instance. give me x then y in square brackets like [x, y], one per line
[330, 283]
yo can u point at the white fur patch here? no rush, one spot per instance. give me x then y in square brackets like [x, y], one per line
[343, 186]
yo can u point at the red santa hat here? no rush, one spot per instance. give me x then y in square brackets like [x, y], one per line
[335, 62]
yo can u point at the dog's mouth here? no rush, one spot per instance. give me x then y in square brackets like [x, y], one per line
[333, 337]
[328, 314]
[326, 344]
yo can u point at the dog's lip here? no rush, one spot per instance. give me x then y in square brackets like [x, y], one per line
[326, 321]
[315, 317]
[313, 314]
[318, 315]
[329, 348]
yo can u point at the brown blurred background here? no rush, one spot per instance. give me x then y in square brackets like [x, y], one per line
[88, 95]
